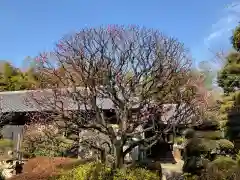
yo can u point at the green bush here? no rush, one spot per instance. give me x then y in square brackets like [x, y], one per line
[91, 171]
[97, 171]
[180, 140]
[5, 145]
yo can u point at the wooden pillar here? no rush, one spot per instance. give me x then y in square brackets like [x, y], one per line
[18, 146]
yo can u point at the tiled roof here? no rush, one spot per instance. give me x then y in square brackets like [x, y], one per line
[14, 102]
[24, 101]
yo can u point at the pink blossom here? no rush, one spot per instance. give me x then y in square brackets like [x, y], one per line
[60, 46]
[118, 78]
[43, 57]
[109, 28]
[37, 59]
[112, 29]
[81, 51]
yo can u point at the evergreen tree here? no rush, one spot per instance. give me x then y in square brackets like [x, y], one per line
[229, 80]
[212, 138]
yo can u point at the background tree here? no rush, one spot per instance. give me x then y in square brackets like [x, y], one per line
[13, 79]
[135, 71]
[209, 73]
[209, 130]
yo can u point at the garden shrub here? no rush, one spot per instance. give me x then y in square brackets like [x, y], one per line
[222, 168]
[6, 145]
[223, 163]
[48, 142]
[98, 171]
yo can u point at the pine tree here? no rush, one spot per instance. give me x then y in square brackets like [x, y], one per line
[229, 80]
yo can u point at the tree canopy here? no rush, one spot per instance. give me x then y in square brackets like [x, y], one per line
[145, 74]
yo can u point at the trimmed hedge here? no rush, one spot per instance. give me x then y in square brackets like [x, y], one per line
[209, 134]
[225, 144]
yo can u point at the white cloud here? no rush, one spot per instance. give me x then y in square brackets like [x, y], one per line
[214, 35]
[222, 29]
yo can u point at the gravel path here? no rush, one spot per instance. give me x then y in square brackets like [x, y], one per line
[168, 168]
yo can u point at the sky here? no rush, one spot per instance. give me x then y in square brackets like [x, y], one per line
[29, 27]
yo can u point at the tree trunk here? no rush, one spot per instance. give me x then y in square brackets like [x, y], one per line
[103, 156]
[119, 160]
[119, 156]
[79, 146]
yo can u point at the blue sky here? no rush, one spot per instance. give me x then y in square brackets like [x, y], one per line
[28, 27]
